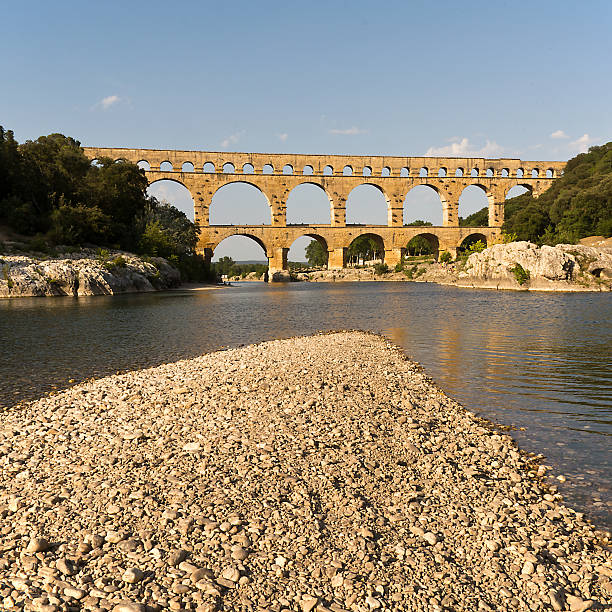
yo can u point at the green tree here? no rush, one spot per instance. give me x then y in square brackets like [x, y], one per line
[578, 204]
[316, 254]
[180, 235]
[225, 265]
[78, 224]
[419, 223]
[419, 245]
[119, 190]
[478, 219]
[40, 177]
[364, 248]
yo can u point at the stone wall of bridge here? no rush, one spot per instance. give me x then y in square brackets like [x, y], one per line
[276, 241]
[203, 173]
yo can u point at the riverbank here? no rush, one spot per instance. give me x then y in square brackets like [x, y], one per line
[519, 266]
[86, 272]
[320, 473]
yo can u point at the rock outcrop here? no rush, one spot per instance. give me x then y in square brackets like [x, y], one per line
[525, 265]
[83, 273]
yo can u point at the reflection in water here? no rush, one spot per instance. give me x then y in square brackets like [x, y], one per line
[537, 361]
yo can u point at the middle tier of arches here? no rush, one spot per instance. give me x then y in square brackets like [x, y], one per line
[338, 193]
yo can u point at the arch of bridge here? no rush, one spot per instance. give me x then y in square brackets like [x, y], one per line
[277, 187]
[271, 238]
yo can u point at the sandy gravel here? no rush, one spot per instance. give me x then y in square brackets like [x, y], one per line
[320, 473]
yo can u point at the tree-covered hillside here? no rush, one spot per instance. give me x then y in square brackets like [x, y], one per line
[578, 204]
[52, 193]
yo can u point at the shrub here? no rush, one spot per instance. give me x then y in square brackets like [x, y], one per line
[521, 275]
[409, 272]
[118, 262]
[103, 255]
[381, 268]
[7, 276]
[399, 266]
[78, 224]
[508, 237]
[39, 244]
[445, 257]
[476, 247]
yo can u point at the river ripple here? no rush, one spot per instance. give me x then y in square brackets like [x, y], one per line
[537, 361]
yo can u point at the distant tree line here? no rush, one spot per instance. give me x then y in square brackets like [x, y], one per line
[226, 266]
[51, 193]
[578, 204]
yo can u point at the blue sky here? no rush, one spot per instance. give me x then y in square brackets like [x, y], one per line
[516, 79]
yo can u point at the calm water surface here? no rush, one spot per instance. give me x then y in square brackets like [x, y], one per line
[542, 362]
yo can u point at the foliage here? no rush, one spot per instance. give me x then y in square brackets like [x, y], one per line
[578, 204]
[193, 267]
[39, 244]
[475, 247]
[224, 266]
[478, 219]
[381, 268]
[117, 262]
[445, 257]
[300, 265]
[164, 230]
[227, 266]
[77, 224]
[413, 271]
[316, 254]
[154, 241]
[49, 186]
[7, 276]
[364, 248]
[50, 190]
[419, 223]
[103, 255]
[419, 245]
[521, 275]
[469, 246]
[399, 266]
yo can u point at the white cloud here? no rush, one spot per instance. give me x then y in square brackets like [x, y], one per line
[283, 137]
[464, 148]
[581, 145]
[232, 139]
[109, 101]
[559, 134]
[352, 131]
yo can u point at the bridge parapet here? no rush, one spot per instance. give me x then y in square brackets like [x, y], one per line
[376, 166]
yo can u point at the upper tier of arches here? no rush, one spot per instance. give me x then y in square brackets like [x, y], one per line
[332, 165]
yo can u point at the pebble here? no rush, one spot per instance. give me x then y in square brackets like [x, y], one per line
[132, 575]
[129, 606]
[37, 545]
[317, 474]
[308, 603]
[74, 592]
[66, 567]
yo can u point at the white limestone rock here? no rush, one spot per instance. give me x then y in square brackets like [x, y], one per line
[563, 262]
[83, 274]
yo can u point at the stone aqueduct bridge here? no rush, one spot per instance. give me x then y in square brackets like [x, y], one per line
[275, 175]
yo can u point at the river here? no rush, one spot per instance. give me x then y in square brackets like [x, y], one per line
[541, 362]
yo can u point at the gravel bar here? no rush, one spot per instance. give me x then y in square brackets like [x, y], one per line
[311, 474]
